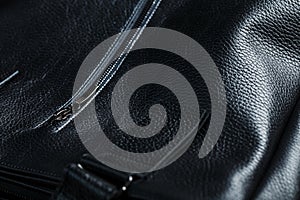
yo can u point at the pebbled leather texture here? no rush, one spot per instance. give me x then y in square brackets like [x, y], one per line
[282, 179]
[256, 46]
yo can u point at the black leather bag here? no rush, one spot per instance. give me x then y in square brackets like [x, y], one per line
[256, 47]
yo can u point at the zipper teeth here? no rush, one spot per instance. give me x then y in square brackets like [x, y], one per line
[112, 49]
[109, 72]
[115, 45]
[119, 41]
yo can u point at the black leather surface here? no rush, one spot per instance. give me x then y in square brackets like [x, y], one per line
[255, 45]
[76, 182]
[46, 42]
[282, 179]
[92, 180]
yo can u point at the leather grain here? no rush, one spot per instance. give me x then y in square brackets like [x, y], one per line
[256, 47]
[255, 44]
[282, 179]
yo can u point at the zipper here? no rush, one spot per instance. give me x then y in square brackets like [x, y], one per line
[44, 185]
[102, 74]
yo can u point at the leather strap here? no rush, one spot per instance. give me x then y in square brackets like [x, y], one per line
[92, 180]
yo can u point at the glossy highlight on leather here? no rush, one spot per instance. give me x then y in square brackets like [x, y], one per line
[255, 45]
